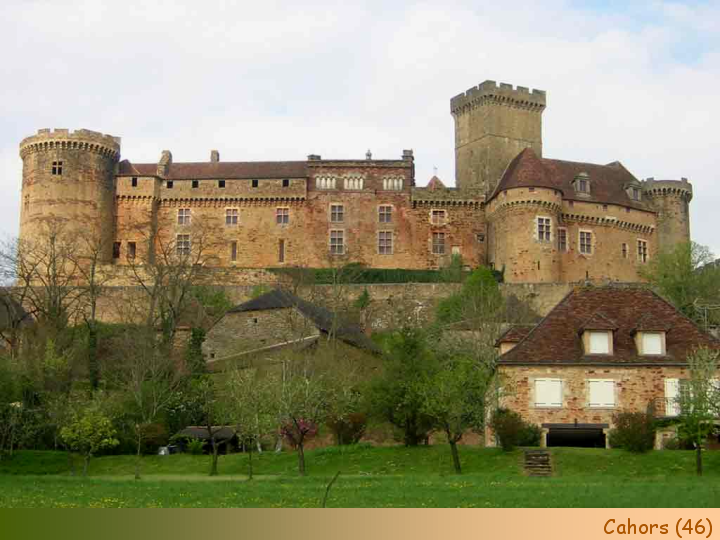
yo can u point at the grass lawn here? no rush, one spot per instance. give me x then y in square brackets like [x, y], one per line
[370, 477]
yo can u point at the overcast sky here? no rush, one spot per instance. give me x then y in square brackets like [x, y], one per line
[635, 81]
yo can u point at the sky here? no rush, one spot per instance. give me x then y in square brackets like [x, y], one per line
[635, 81]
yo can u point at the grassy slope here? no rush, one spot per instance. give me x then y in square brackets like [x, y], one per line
[370, 477]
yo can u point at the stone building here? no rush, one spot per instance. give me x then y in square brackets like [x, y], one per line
[541, 220]
[601, 350]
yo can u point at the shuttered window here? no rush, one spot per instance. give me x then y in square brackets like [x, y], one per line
[548, 393]
[672, 392]
[599, 343]
[652, 343]
[602, 393]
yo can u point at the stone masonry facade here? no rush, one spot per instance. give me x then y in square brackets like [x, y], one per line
[538, 220]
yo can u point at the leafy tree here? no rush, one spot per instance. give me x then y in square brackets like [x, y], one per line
[194, 359]
[685, 275]
[397, 393]
[253, 405]
[88, 431]
[213, 410]
[699, 401]
[479, 297]
[453, 398]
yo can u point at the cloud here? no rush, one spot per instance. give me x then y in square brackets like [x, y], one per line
[280, 80]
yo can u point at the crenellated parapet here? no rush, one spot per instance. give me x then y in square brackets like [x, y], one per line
[489, 92]
[64, 139]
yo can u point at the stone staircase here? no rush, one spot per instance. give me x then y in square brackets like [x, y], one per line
[537, 463]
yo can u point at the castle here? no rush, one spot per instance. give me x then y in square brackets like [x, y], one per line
[538, 219]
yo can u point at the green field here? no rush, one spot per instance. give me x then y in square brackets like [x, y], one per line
[370, 477]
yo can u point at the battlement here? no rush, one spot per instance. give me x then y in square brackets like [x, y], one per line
[491, 92]
[663, 187]
[60, 138]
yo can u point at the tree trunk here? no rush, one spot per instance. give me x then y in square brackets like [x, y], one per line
[85, 465]
[455, 456]
[214, 469]
[92, 355]
[698, 459]
[301, 459]
[250, 470]
[138, 456]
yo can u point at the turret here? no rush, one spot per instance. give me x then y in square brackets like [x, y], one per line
[493, 124]
[68, 177]
[671, 200]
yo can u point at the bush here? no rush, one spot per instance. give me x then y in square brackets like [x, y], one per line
[195, 446]
[633, 431]
[508, 427]
[348, 430]
[530, 435]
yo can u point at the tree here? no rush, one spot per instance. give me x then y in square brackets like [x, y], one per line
[253, 406]
[303, 403]
[685, 275]
[213, 410]
[88, 431]
[699, 401]
[453, 397]
[396, 394]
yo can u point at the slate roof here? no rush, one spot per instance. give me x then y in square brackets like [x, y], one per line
[607, 182]
[221, 169]
[557, 338]
[322, 318]
[222, 433]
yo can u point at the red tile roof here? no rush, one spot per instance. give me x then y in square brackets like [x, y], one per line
[435, 183]
[222, 169]
[557, 338]
[607, 182]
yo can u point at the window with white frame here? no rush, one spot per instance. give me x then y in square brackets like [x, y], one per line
[598, 341]
[585, 242]
[337, 213]
[325, 182]
[385, 242]
[354, 182]
[337, 242]
[393, 184]
[231, 217]
[672, 395]
[438, 217]
[642, 251]
[543, 229]
[385, 214]
[282, 216]
[438, 243]
[549, 393]
[562, 240]
[601, 393]
[182, 244]
[652, 343]
[183, 216]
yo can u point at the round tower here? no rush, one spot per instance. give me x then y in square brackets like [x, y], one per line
[68, 177]
[671, 200]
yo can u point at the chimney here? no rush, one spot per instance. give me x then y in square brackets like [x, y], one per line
[214, 156]
[163, 167]
[408, 155]
[368, 155]
[314, 157]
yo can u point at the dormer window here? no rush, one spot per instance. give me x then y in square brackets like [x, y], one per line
[582, 183]
[598, 341]
[650, 343]
[635, 193]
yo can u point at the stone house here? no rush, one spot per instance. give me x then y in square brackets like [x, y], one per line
[600, 351]
[254, 332]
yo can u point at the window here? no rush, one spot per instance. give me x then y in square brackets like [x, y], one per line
[286, 182]
[438, 217]
[392, 184]
[337, 242]
[531, 190]
[231, 217]
[183, 216]
[548, 393]
[605, 207]
[583, 185]
[195, 184]
[221, 183]
[133, 182]
[562, 240]
[438, 243]
[131, 250]
[255, 182]
[651, 343]
[599, 342]
[27, 203]
[586, 242]
[642, 251]
[325, 182]
[233, 251]
[635, 193]
[183, 244]
[169, 184]
[385, 242]
[480, 237]
[281, 251]
[385, 214]
[116, 250]
[543, 229]
[282, 216]
[624, 251]
[354, 182]
[601, 393]
[337, 213]
[57, 167]
[672, 393]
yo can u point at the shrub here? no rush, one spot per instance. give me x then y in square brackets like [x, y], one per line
[530, 435]
[508, 427]
[195, 446]
[633, 431]
[348, 430]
